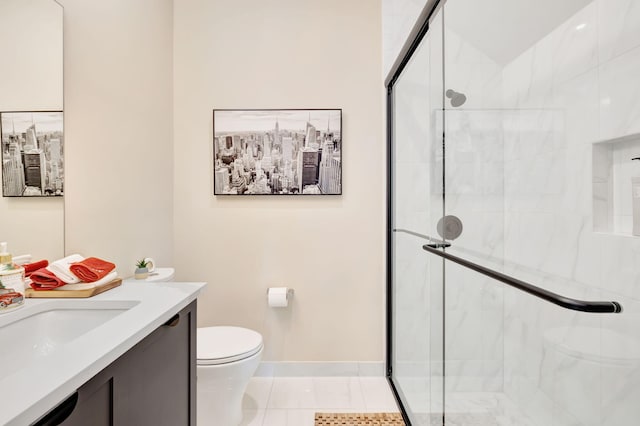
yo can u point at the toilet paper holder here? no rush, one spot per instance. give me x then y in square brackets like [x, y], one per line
[289, 293]
[279, 297]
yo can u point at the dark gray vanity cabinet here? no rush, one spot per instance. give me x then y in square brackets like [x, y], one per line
[154, 383]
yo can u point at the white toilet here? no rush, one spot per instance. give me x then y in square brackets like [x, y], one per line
[227, 359]
[579, 356]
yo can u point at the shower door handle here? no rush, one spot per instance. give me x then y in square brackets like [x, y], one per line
[557, 299]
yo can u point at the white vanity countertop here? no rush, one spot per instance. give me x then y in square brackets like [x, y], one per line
[44, 380]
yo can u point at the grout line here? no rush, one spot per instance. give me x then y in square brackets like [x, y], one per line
[362, 396]
[356, 386]
[273, 379]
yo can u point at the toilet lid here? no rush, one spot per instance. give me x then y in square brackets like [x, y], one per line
[223, 344]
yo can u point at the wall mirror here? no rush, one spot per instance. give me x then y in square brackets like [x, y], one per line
[31, 97]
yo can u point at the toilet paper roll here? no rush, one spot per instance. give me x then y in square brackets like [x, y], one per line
[151, 264]
[277, 297]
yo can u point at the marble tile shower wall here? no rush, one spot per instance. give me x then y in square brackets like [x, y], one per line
[575, 87]
[519, 173]
[474, 192]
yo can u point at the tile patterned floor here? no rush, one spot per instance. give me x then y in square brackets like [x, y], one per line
[471, 409]
[293, 401]
[461, 420]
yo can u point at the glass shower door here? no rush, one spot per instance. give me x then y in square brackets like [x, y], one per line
[474, 191]
[537, 166]
[520, 119]
[416, 280]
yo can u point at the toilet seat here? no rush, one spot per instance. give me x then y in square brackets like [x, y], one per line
[224, 344]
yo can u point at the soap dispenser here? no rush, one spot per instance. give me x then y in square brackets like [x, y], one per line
[635, 200]
[11, 279]
[5, 256]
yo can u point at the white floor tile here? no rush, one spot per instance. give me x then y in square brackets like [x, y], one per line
[281, 417]
[377, 395]
[339, 392]
[293, 401]
[257, 394]
[252, 417]
[275, 417]
[292, 392]
[316, 392]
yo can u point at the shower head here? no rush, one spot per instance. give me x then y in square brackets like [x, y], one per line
[457, 99]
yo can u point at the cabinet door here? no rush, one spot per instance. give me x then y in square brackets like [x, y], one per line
[155, 381]
[94, 404]
[152, 384]
[90, 405]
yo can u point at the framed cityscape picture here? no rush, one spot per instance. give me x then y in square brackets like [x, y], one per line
[32, 153]
[277, 152]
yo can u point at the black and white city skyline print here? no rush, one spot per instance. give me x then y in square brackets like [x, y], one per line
[277, 152]
[32, 153]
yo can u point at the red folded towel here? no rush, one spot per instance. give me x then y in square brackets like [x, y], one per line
[30, 268]
[91, 269]
[43, 279]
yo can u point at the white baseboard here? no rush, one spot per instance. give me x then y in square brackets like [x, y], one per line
[320, 369]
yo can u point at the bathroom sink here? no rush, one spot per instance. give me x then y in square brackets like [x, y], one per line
[35, 332]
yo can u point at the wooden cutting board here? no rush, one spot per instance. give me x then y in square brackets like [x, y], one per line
[82, 293]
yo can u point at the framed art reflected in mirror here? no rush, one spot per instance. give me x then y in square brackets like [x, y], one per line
[32, 153]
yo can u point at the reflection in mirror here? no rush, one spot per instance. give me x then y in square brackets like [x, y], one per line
[31, 80]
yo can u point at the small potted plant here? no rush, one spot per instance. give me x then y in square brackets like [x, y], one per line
[142, 271]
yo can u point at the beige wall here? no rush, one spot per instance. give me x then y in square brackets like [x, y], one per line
[127, 197]
[330, 249]
[119, 130]
[31, 80]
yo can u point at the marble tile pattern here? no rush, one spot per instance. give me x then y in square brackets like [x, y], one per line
[293, 401]
[470, 408]
[602, 187]
[613, 170]
[475, 191]
[575, 87]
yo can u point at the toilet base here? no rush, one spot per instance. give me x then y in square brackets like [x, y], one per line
[221, 389]
[216, 408]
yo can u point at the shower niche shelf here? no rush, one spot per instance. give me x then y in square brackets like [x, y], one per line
[613, 172]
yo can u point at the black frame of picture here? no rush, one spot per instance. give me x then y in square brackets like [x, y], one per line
[241, 165]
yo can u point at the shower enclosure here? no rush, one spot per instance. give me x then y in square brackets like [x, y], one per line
[515, 122]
